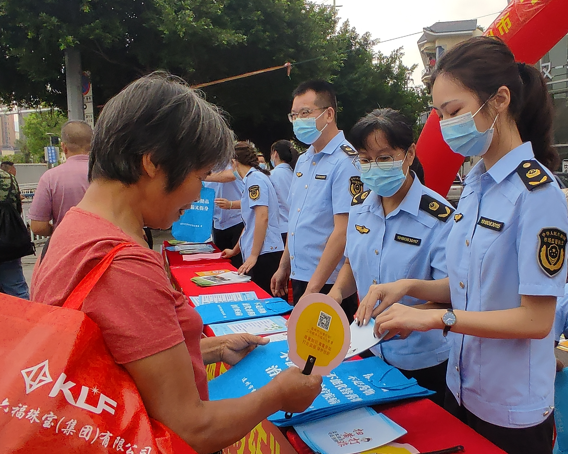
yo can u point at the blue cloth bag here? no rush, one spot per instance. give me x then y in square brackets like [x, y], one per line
[242, 310]
[351, 385]
[196, 224]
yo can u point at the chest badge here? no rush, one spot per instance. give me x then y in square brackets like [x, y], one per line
[551, 250]
[299, 174]
[254, 192]
[491, 224]
[321, 177]
[458, 217]
[407, 239]
[362, 229]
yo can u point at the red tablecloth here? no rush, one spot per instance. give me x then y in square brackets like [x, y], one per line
[175, 259]
[429, 427]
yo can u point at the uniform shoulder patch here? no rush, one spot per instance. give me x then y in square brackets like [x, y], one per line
[551, 250]
[355, 186]
[348, 150]
[254, 192]
[435, 208]
[358, 199]
[532, 174]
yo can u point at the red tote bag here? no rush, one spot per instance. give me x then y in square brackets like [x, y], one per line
[60, 389]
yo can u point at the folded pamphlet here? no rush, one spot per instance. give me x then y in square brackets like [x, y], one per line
[349, 432]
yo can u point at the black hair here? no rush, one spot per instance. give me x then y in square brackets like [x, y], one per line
[161, 116]
[325, 94]
[286, 151]
[245, 153]
[484, 64]
[394, 125]
[396, 128]
[6, 164]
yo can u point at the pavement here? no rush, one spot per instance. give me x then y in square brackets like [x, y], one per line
[28, 262]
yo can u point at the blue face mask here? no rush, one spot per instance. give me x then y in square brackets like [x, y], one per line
[262, 165]
[384, 182]
[272, 163]
[462, 136]
[305, 129]
[237, 175]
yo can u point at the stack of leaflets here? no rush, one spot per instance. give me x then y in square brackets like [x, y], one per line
[231, 277]
[190, 248]
[351, 385]
[349, 432]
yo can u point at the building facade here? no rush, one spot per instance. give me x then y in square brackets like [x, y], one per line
[554, 68]
[441, 37]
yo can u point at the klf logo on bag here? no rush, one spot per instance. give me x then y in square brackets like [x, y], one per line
[38, 375]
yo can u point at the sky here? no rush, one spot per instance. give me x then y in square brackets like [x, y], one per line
[387, 19]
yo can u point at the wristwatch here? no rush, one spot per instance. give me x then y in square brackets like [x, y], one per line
[449, 319]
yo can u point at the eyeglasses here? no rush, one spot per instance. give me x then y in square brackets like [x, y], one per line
[304, 113]
[385, 162]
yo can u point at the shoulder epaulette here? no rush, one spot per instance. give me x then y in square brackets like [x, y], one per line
[348, 150]
[435, 208]
[532, 174]
[358, 199]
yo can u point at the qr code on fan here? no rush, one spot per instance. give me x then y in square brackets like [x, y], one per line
[324, 321]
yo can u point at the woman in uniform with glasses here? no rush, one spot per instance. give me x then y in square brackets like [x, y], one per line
[397, 229]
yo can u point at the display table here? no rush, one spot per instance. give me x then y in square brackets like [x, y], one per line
[429, 426]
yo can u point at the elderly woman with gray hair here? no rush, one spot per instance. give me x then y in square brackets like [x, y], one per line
[153, 145]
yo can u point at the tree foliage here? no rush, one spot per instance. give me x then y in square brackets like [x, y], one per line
[36, 128]
[201, 41]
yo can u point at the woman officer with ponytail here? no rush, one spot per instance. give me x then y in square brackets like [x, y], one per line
[505, 252]
[260, 244]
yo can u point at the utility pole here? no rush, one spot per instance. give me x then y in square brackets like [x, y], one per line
[73, 73]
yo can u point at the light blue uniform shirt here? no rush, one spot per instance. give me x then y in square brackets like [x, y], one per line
[561, 316]
[259, 192]
[281, 177]
[223, 219]
[506, 382]
[321, 188]
[409, 243]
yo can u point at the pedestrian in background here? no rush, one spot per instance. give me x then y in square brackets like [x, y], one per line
[12, 280]
[63, 187]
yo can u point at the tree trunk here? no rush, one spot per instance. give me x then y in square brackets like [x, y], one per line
[75, 109]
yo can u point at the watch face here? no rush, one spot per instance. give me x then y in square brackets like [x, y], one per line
[449, 318]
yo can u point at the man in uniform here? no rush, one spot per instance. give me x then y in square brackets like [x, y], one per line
[324, 185]
[12, 280]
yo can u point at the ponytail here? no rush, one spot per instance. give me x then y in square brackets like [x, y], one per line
[245, 153]
[536, 116]
[417, 168]
[286, 152]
